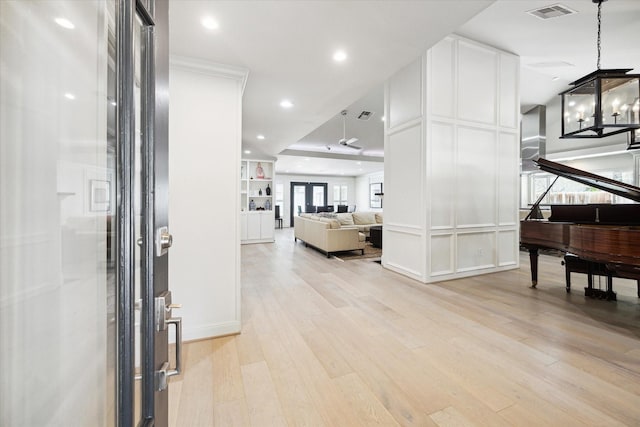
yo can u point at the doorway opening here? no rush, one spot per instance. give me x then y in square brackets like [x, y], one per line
[306, 197]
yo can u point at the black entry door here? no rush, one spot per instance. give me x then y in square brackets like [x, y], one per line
[306, 197]
[145, 317]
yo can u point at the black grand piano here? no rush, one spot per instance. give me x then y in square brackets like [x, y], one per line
[604, 237]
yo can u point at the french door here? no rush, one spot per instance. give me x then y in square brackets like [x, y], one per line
[84, 307]
[306, 197]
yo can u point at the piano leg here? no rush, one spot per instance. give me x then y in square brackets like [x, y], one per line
[611, 296]
[589, 291]
[567, 275]
[533, 260]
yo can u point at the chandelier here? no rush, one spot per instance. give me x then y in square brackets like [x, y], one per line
[602, 103]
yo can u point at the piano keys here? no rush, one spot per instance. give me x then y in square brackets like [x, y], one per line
[601, 234]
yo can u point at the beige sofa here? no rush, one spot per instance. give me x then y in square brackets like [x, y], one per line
[327, 235]
[360, 220]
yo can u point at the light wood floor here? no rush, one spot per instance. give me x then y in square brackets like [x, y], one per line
[332, 343]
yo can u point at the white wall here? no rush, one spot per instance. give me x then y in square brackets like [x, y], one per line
[362, 190]
[451, 163]
[204, 262]
[286, 180]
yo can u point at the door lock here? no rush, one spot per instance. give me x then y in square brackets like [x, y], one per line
[164, 240]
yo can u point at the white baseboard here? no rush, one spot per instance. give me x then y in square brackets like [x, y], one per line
[209, 331]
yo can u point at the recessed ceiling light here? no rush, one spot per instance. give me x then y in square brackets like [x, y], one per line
[382, 118]
[260, 136]
[209, 23]
[247, 151]
[285, 103]
[359, 163]
[306, 159]
[69, 96]
[339, 56]
[65, 23]
[555, 78]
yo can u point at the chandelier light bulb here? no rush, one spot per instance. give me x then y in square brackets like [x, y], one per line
[614, 105]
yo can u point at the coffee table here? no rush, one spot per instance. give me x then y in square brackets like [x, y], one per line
[375, 236]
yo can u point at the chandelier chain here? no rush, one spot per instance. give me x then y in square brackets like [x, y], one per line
[599, 23]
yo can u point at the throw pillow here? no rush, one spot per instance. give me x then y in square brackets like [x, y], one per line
[379, 217]
[326, 215]
[362, 218]
[345, 218]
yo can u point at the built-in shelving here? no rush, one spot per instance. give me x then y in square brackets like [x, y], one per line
[256, 218]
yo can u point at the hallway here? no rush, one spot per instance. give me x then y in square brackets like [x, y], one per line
[335, 343]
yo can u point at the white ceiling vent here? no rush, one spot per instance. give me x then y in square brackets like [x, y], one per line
[553, 11]
[365, 115]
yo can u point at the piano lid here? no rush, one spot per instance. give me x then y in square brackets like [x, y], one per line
[606, 184]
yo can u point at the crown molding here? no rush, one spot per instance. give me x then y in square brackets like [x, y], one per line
[210, 68]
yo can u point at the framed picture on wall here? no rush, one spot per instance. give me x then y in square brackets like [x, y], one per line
[375, 195]
[99, 195]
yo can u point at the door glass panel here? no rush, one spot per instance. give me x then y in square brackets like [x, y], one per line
[138, 260]
[57, 213]
[318, 196]
[299, 192]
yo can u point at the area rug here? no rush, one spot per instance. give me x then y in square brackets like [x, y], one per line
[370, 251]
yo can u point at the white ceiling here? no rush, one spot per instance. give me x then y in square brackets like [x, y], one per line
[543, 45]
[287, 48]
[326, 166]
[370, 133]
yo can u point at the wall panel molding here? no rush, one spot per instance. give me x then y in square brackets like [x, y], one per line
[403, 228]
[404, 126]
[458, 178]
[477, 83]
[404, 95]
[509, 83]
[405, 271]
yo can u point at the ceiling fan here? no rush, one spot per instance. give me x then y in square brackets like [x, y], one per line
[344, 141]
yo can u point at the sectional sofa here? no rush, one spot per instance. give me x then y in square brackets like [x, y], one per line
[332, 233]
[360, 220]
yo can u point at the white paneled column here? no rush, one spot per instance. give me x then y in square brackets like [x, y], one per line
[451, 163]
[205, 124]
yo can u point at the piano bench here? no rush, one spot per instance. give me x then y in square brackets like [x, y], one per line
[574, 264]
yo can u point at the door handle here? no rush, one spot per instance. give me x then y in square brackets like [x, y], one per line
[177, 322]
[164, 318]
[162, 376]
